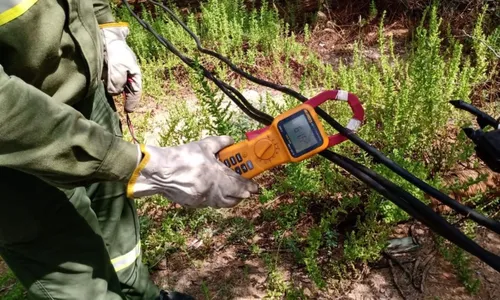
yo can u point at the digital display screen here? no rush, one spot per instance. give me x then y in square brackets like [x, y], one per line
[300, 133]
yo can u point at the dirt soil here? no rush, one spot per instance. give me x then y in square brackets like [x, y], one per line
[440, 280]
[231, 272]
[3, 267]
[227, 274]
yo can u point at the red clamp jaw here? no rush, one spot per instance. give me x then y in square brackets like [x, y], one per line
[353, 101]
[356, 107]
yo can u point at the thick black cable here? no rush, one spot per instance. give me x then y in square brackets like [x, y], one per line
[483, 119]
[415, 208]
[428, 189]
[395, 195]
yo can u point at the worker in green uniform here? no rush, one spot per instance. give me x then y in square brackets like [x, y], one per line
[68, 224]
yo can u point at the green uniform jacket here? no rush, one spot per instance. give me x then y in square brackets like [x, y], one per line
[51, 59]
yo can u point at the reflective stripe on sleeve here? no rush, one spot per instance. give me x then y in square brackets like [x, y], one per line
[126, 260]
[11, 9]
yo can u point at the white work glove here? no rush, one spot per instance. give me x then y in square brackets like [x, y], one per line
[190, 175]
[121, 71]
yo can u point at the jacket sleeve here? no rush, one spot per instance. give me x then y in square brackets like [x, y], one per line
[55, 142]
[103, 12]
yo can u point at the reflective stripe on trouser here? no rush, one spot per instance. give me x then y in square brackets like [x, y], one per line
[81, 243]
[124, 261]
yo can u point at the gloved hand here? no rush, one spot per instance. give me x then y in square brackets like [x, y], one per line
[121, 71]
[190, 175]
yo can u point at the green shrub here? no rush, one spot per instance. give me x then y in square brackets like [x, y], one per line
[461, 260]
[367, 241]
[162, 237]
[407, 118]
[10, 288]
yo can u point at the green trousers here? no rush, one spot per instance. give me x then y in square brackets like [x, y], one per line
[81, 243]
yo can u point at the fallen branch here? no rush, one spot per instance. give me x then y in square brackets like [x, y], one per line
[414, 274]
[266, 205]
[426, 270]
[7, 288]
[382, 265]
[392, 258]
[395, 280]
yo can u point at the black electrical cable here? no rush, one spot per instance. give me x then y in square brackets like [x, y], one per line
[428, 189]
[414, 207]
[483, 118]
[394, 193]
[230, 91]
[233, 67]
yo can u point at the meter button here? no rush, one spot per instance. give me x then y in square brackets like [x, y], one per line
[238, 170]
[226, 162]
[239, 158]
[250, 165]
[244, 168]
[264, 149]
[233, 160]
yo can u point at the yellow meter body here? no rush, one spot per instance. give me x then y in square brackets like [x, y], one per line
[292, 137]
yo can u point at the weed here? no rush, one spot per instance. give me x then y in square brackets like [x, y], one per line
[181, 128]
[216, 117]
[461, 260]
[10, 288]
[407, 118]
[267, 195]
[277, 286]
[373, 11]
[366, 243]
[481, 54]
[311, 253]
[161, 237]
[319, 237]
[240, 230]
[462, 264]
[301, 179]
[205, 290]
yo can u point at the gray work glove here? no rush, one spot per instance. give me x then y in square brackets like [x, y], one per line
[121, 71]
[190, 175]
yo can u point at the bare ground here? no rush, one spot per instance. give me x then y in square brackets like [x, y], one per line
[231, 274]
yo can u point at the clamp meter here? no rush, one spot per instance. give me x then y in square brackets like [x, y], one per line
[292, 137]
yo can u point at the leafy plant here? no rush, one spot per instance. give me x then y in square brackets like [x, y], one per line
[366, 243]
[461, 262]
[407, 117]
[10, 288]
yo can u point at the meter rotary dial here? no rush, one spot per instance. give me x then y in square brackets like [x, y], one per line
[264, 149]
